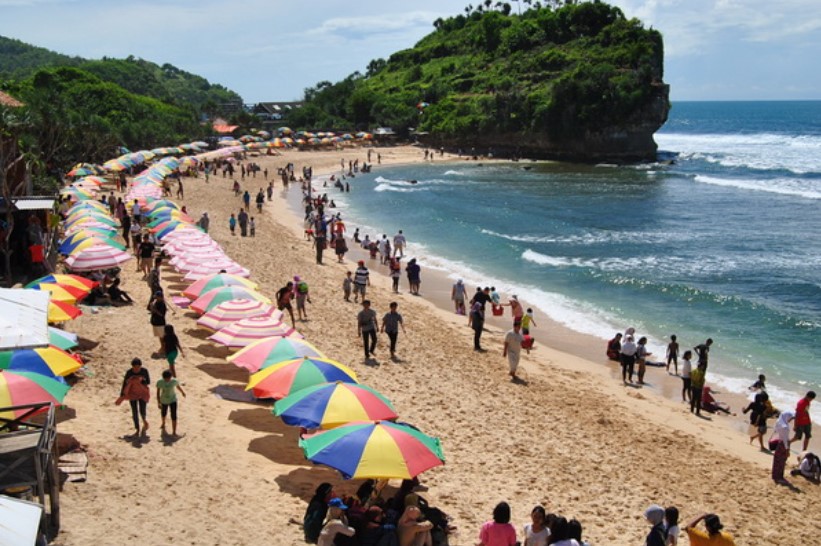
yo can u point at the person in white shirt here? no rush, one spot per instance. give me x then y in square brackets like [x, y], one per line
[399, 243]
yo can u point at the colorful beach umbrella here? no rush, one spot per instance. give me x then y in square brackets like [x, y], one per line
[62, 339]
[214, 297]
[330, 405]
[97, 257]
[197, 288]
[62, 312]
[228, 312]
[20, 388]
[49, 361]
[65, 294]
[246, 331]
[378, 450]
[286, 378]
[65, 280]
[272, 350]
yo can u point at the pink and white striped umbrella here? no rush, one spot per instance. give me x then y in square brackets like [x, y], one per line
[246, 331]
[229, 312]
[97, 257]
[204, 270]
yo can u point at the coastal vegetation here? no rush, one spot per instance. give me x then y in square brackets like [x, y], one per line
[568, 73]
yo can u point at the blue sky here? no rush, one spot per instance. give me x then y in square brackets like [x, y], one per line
[272, 49]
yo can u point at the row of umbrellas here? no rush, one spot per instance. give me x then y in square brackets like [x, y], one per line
[352, 427]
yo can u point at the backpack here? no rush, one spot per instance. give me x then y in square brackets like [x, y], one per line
[302, 287]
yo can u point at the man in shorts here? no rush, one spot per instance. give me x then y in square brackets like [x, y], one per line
[803, 422]
[399, 243]
[284, 296]
[366, 326]
[146, 253]
[361, 281]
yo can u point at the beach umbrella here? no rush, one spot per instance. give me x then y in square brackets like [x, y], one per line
[231, 311]
[62, 339]
[203, 270]
[245, 331]
[62, 312]
[80, 171]
[214, 297]
[21, 388]
[330, 405]
[272, 350]
[77, 245]
[378, 450]
[65, 294]
[65, 280]
[197, 288]
[97, 257]
[286, 378]
[49, 361]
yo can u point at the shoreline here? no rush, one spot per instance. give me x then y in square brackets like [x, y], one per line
[436, 289]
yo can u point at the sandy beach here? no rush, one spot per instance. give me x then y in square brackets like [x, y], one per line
[571, 437]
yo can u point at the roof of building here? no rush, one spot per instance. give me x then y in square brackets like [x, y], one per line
[8, 100]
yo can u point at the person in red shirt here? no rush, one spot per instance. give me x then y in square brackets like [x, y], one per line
[803, 423]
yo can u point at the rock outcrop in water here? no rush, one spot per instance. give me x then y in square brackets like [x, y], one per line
[580, 82]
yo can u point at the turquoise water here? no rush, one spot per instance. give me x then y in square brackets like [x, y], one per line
[724, 243]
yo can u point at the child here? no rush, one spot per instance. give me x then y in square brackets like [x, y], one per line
[527, 320]
[167, 398]
[671, 528]
[232, 224]
[686, 368]
[347, 285]
[672, 354]
[172, 348]
[253, 225]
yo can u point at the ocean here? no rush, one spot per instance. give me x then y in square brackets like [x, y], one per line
[724, 242]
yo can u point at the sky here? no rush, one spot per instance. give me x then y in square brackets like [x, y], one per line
[271, 50]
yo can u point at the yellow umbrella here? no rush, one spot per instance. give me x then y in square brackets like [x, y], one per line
[62, 312]
[65, 294]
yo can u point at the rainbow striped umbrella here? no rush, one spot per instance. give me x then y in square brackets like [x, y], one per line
[63, 293]
[65, 280]
[380, 449]
[231, 311]
[272, 350]
[288, 377]
[49, 361]
[97, 257]
[20, 388]
[214, 297]
[83, 243]
[246, 331]
[329, 405]
[197, 288]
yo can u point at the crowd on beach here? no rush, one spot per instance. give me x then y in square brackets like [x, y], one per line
[367, 518]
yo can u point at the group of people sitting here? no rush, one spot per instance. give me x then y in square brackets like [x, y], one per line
[367, 519]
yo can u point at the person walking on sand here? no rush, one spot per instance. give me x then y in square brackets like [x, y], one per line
[146, 253]
[477, 322]
[758, 419]
[803, 422]
[458, 294]
[513, 348]
[414, 276]
[527, 322]
[391, 323]
[158, 311]
[395, 273]
[252, 227]
[781, 439]
[301, 292]
[366, 327]
[173, 348]
[136, 390]
[204, 222]
[242, 218]
[714, 535]
[672, 354]
[347, 285]
[167, 398]
[246, 199]
[283, 299]
[232, 224]
[515, 309]
[361, 281]
[319, 243]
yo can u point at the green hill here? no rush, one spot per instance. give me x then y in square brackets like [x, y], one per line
[166, 83]
[577, 82]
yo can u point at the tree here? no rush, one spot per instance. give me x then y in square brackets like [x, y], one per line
[13, 173]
